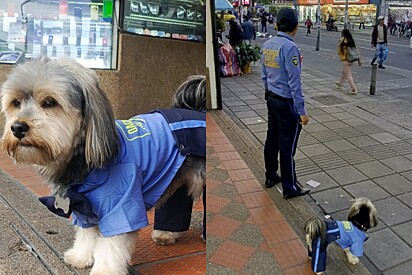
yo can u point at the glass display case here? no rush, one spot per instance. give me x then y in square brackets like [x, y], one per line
[80, 29]
[174, 19]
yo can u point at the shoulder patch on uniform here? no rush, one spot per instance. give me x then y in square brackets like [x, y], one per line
[347, 226]
[295, 60]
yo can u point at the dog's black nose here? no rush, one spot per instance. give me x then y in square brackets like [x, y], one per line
[19, 129]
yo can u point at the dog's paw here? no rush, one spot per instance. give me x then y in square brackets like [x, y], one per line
[353, 260]
[78, 259]
[165, 237]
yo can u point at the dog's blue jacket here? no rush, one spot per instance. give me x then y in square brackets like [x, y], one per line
[153, 148]
[345, 234]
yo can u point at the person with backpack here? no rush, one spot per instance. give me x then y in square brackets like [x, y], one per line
[308, 24]
[345, 43]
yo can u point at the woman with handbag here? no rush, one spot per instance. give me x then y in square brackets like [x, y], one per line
[348, 53]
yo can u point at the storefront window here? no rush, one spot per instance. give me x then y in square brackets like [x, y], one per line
[175, 19]
[80, 29]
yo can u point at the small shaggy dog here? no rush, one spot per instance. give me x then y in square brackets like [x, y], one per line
[105, 173]
[350, 234]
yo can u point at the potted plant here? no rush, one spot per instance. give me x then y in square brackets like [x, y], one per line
[246, 54]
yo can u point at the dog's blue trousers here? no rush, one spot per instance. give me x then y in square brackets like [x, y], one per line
[319, 249]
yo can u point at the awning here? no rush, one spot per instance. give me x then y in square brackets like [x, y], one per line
[223, 5]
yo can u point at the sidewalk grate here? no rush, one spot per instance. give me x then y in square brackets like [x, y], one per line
[401, 147]
[380, 151]
[355, 156]
[348, 132]
[329, 161]
[305, 166]
[325, 136]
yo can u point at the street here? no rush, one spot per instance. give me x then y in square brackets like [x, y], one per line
[353, 145]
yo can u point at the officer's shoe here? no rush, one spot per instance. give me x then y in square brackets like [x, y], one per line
[299, 192]
[270, 183]
[381, 66]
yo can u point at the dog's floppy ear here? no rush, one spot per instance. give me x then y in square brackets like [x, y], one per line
[101, 141]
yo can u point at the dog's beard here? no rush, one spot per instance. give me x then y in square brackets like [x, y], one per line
[29, 150]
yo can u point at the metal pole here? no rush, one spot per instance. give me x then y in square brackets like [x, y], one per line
[372, 88]
[346, 15]
[318, 24]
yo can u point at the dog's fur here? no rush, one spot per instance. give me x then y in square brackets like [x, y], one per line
[70, 131]
[362, 214]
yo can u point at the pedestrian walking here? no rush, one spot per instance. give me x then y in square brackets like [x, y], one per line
[362, 20]
[235, 33]
[345, 43]
[281, 76]
[249, 31]
[380, 42]
[263, 21]
[308, 24]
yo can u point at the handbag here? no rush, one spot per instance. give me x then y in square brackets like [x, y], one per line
[352, 54]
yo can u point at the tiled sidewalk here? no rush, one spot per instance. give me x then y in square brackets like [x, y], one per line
[187, 256]
[246, 232]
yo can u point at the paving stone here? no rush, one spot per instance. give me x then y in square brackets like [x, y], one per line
[398, 164]
[401, 147]
[346, 175]
[324, 136]
[392, 211]
[261, 263]
[369, 129]
[241, 109]
[315, 127]
[404, 232]
[347, 132]
[339, 145]
[373, 169]
[306, 139]
[325, 181]
[253, 120]
[329, 161]
[333, 125]
[261, 127]
[234, 103]
[333, 200]
[218, 174]
[367, 189]
[248, 234]
[355, 156]
[384, 137]
[388, 253]
[213, 243]
[380, 151]
[236, 210]
[401, 269]
[261, 106]
[343, 116]
[362, 141]
[305, 166]
[406, 199]
[315, 150]
[245, 114]
[225, 190]
[394, 184]
[355, 122]
[247, 96]
[212, 268]
[333, 110]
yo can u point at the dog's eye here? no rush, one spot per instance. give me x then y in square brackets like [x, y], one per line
[49, 103]
[16, 103]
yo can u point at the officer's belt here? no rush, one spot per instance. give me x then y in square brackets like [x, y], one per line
[273, 95]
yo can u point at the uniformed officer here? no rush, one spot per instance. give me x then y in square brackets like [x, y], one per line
[281, 75]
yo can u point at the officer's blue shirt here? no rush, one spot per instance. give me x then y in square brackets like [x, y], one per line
[133, 182]
[281, 69]
[351, 236]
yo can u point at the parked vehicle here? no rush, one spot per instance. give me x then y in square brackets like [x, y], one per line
[226, 16]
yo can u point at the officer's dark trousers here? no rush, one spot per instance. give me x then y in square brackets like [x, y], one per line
[175, 214]
[282, 136]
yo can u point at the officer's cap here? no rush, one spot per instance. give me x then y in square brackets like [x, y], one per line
[287, 20]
